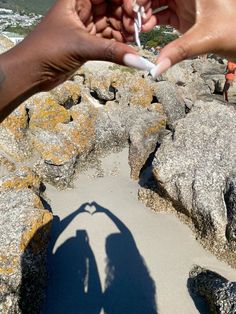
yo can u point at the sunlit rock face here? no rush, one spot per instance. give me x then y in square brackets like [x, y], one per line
[103, 108]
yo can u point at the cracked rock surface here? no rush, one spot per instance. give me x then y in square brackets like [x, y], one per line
[195, 167]
[218, 292]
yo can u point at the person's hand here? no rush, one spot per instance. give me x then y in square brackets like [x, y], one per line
[73, 32]
[207, 27]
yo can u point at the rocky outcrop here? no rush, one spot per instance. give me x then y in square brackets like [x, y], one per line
[173, 104]
[188, 81]
[218, 292]
[103, 108]
[5, 43]
[13, 135]
[195, 170]
[24, 232]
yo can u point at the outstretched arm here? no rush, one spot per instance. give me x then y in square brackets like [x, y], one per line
[119, 224]
[73, 32]
[61, 225]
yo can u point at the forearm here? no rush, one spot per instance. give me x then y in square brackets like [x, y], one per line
[18, 79]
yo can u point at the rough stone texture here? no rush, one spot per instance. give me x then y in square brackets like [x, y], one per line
[5, 43]
[190, 84]
[24, 231]
[195, 166]
[144, 136]
[144, 128]
[67, 94]
[219, 293]
[13, 135]
[47, 114]
[58, 156]
[173, 104]
[6, 165]
[103, 108]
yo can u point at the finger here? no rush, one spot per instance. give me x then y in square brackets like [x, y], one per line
[128, 5]
[116, 24]
[107, 33]
[101, 23]
[128, 21]
[195, 42]
[83, 9]
[97, 48]
[99, 9]
[115, 11]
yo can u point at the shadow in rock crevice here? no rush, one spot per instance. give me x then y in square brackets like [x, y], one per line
[74, 282]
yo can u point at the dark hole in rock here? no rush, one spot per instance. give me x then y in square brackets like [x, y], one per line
[94, 94]
[187, 109]
[70, 103]
[28, 116]
[146, 178]
[154, 100]
[230, 202]
[179, 83]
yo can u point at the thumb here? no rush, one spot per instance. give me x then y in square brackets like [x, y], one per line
[96, 48]
[193, 43]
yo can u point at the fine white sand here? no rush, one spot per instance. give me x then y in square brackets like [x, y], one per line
[149, 254]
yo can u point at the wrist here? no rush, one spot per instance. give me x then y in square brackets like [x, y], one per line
[19, 78]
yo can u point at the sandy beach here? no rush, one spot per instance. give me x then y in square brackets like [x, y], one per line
[116, 255]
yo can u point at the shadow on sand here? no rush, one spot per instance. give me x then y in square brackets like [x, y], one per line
[74, 285]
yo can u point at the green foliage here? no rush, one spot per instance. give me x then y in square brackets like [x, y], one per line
[18, 29]
[157, 37]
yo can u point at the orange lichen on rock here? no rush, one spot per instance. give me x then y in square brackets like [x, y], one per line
[155, 128]
[48, 114]
[82, 133]
[67, 91]
[8, 265]
[58, 152]
[17, 122]
[141, 92]
[9, 165]
[25, 179]
[37, 232]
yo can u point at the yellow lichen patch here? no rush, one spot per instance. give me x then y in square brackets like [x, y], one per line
[158, 107]
[48, 114]
[37, 203]
[155, 128]
[83, 132]
[103, 83]
[26, 179]
[8, 265]
[57, 153]
[66, 91]
[36, 235]
[141, 92]
[17, 122]
[10, 166]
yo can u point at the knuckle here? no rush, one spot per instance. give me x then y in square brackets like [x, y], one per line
[182, 52]
[110, 51]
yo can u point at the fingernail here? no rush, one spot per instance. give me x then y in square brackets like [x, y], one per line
[161, 67]
[138, 62]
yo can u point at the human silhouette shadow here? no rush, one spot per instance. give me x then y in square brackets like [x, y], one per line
[74, 284]
[129, 288]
